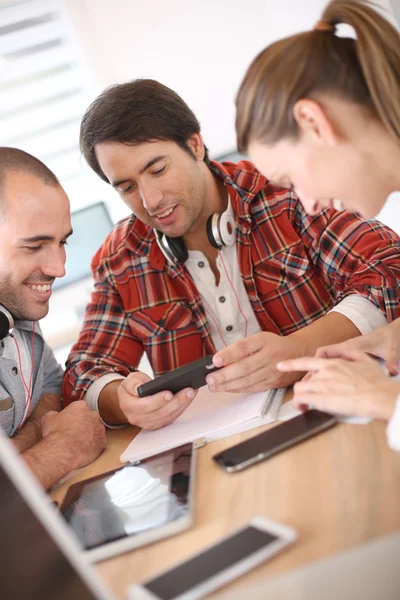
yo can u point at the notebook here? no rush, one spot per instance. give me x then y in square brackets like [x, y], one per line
[211, 416]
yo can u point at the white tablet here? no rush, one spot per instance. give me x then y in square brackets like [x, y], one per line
[134, 505]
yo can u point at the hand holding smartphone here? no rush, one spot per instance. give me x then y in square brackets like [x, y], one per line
[193, 375]
[218, 563]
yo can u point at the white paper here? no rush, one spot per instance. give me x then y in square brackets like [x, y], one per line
[211, 415]
[288, 411]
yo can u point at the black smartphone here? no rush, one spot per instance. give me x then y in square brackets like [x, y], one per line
[192, 375]
[268, 443]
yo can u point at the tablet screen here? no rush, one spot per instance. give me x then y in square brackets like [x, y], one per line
[130, 500]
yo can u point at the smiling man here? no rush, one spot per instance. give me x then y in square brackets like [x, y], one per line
[214, 258]
[34, 227]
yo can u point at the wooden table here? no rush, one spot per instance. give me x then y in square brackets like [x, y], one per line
[338, 489]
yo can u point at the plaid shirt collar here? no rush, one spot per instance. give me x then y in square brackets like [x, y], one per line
[248, 184]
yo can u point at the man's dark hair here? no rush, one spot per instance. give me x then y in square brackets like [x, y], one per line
[14, 159]
[135, 112]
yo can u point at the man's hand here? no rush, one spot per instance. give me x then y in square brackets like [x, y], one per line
[250, 364]
[383, 343]
[151, 412]
[80, 427]
[349, 387]
[31, 433]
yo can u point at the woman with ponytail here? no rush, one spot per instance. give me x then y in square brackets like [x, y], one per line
[321, 114]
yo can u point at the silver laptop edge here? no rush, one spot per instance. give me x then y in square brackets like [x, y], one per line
[39, 503]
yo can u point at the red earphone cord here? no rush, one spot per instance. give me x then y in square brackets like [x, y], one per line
[28, 402]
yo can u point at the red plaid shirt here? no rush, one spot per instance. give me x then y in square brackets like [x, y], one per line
[295, 268]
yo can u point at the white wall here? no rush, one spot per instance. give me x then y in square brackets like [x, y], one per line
[199, 49]
[395, 5]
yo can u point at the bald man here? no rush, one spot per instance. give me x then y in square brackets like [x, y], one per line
[34, 227]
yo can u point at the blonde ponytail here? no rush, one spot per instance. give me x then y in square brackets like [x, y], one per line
[365, 71]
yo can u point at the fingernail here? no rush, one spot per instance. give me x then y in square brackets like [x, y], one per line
[190, 394]
[168, 396]
[218, 361]
[210, 380]
[211, 388]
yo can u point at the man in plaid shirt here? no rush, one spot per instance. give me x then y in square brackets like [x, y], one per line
[281, 284]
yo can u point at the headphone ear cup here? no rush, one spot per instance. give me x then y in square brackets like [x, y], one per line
[6, 322]
[178, 249]
[221, 230]
[227, 229]
[173, 249]
[212, 231]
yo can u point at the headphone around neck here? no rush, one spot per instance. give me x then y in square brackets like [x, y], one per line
[221, 231]
[6, 322]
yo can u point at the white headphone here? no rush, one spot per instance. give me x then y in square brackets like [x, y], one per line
[221, 231]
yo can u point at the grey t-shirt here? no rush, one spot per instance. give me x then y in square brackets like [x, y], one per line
[46, 376]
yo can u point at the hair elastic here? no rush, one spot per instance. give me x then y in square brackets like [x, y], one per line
[324, 26]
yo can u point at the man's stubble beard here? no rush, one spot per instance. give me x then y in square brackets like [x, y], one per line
[10, 299]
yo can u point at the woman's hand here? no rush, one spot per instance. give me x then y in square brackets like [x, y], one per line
[350, 387]
[383, 343]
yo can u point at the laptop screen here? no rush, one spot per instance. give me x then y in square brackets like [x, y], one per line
[91, 225]
[32, 564]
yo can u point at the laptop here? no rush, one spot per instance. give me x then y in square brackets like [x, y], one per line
[40, 558]
[46, 554]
